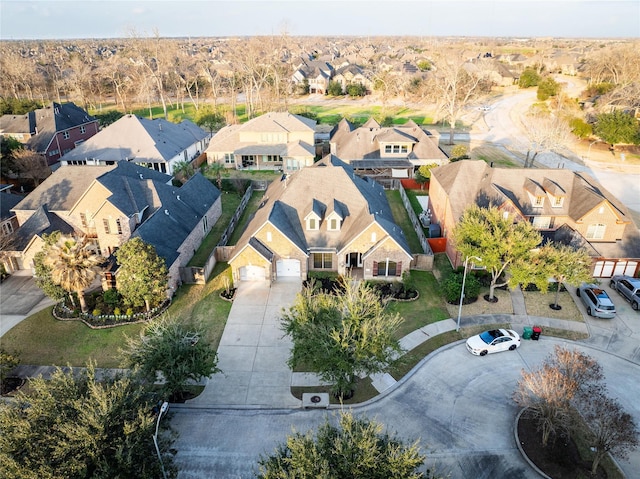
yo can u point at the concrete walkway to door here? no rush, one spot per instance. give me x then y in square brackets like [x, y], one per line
[253, 350]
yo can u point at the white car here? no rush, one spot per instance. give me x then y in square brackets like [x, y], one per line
[493, 341]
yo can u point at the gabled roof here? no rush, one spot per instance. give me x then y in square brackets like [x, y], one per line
[475, 182]
[329, 185]
[40, 222]
[349, 143]
[180, 212]
[7, 203]
[138, 139]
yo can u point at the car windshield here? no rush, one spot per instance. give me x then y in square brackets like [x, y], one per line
[608, 307]
[489, 336]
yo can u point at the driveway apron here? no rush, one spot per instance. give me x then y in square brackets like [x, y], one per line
[253, 351]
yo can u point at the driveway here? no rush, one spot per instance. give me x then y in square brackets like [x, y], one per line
[253, 351]
[19, 298]
[458, 405]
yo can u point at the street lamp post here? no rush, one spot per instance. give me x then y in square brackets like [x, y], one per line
[464, 278]
[163, 409]
[589, 149]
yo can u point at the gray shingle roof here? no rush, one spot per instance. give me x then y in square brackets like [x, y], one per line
[40, 222]
[138, 139]
[7, 202]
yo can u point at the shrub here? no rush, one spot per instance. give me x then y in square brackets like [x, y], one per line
[334, 89]
[459, 152]
[547, 88]
[580, 128]
[452, 287]
[96, 312]
[117, 312]
[111, 297]
[129, 312]
[529, 78]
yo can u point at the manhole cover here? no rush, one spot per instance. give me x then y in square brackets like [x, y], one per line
[316, 399]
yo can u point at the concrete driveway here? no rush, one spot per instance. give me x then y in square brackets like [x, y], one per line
[253, 351]
[19, 298]
[458, 405]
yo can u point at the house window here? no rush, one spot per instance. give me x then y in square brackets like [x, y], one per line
[65, 135]
[333, 224]
[269, 237]
[538, 201]
[83, 220]
[558, 201]
[184, 153]
[541, 222]
[387, 148]
[312, 224]
[322, 260]
[7, 228]
[387, 268]
[107, 229]
[83, 129]
[205, 224]
[404, 149]
[374, 237]
[54, 152]
[119, 226]
[229, 159]
[596, 231]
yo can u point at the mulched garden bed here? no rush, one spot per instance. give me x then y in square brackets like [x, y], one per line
[393, 290]
[560, 460]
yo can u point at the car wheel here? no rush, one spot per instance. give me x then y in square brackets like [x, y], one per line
[578, 292]
[483, 353]
[612, 284]
[634, 305]
[589, 311]
[512, 347]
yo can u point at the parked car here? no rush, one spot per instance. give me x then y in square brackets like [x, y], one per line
[493, 341]
[628, 287]
[597, 301]
[484, 108]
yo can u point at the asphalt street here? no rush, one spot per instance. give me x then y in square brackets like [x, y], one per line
[457, 405]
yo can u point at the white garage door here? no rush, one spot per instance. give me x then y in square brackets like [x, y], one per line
[252, 273]
[288, 267]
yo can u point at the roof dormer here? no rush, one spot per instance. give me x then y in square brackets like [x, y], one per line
[315, 216]
[334, 221]
[555, 192]
[536, 193]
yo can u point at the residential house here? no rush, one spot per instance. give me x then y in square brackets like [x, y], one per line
[351, 74]
[112, 203]
[565, 206]
[51, 131]
[156, 144]
[317, 73]
[8, 227]
[326, 219]
[385, 152]
[273, 141]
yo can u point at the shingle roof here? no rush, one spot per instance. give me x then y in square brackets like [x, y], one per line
[40, 222]
[55, 118]
[7, 202]
[328, 185]
[138, 139]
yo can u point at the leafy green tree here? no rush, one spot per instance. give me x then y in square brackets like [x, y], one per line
[106, 119]
[356, 89]
[8, 361]
[334, 89]
[547, 87]
[420, 179]
[459, 152]
[580, 128]
[528, 78]
[504, 246]
[356, 448]
[184, 169]
[18, 106]
[617, 127]
[73, 265]
[341, 336]
[423, 65]
[174, 350]
[43, 271]
[77, 427]
[7, 163]
[142, 276]
[210, 119]
[452, 286]
[564, 264]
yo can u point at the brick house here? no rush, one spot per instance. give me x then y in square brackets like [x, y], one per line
[565, 206]
[51, 131]
[322, 218]
[112, 203]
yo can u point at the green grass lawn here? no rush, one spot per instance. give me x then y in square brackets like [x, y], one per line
[247, 215]
[401, 218]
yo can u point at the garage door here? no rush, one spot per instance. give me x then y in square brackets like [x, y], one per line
[288, 267]
[252, 273]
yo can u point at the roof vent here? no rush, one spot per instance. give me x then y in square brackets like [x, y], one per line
[141, 176]
[166, 212]
[178, 197]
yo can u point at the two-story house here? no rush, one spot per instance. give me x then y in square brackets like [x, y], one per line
[322, 218]
[565, 206]
[385, 152]
[156, 144]
[273, 141]
[51, 131]
[317, 73]
[112, 203]
[351, 74]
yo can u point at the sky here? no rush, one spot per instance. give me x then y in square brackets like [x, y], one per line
[71, 19]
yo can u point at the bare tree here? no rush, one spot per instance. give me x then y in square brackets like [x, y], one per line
[31, 165]
[612, 430]
[544, 132]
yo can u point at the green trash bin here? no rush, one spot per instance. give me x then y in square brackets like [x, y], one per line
[527, 332]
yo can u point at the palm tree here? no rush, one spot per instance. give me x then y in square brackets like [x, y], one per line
[183, 168]
[216, 169]
[74, 265]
